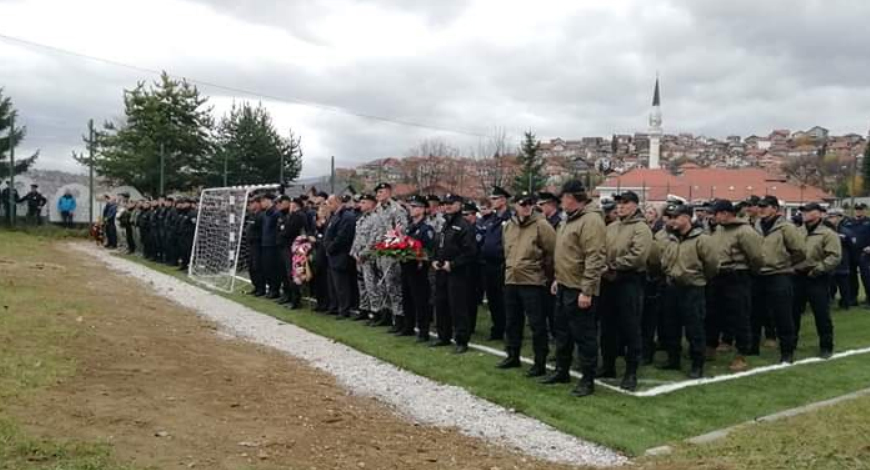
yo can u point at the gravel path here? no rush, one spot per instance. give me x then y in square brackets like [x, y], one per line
[416, 397]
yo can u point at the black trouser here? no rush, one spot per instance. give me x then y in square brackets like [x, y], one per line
[170, 248]
[111, 234]
[651, 317]
[272, 268]
[621, 310]
[131, 242]
[575, 327]
[859, 266]
[493, 277]
[341, 283]
[34, 216]
[321, 280]
[147, 245]
[415, 284]
[729, 310]
[840, 285]
[291, 289]
[66, 218]
[451, 305]
[476, 288]
[777, 295]
[815, 291]
[255, 266]
[549, 306]
[759, 317]
[186, 248]
[523, 302]
[686, 309]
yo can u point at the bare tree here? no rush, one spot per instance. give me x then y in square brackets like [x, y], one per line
[492, 159]
[433, 147]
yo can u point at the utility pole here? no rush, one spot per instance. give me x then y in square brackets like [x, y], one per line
[92, 143]
[161, 169]
[11, 188]
[332, 175]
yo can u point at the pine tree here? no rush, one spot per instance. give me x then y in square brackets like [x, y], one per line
[7, 141]
[169, 116]
[531, 177]
[252, 150]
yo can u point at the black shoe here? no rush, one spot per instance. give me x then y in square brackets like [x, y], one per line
[826, 353]
[422, 338]
[273, 296]
[584, 388]
[560, 376]
[495, 337]
[697, 370]
[251, 292]
[539, 368]
[259, 293]
[439, 343]
[407, 332]
[512, 361]
[629, 382]
[606, 373]
[360, 316]
[294, 306]
[673, 362]
[284, 299]
[385, 320]
[461, 349]
[786, 358]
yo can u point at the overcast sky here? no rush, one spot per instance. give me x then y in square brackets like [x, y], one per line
[562, 68]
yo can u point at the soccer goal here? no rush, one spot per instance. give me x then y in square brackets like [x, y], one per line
[219, 257]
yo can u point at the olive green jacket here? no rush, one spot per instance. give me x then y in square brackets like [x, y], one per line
[528, 250]
[823, 251]
[691, 259]
[629, 242]
[661, 240]
[580, 256]
[783, 247]
[740, 247]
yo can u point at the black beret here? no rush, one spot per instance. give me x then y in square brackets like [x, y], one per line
[269, 196]
[433, 198]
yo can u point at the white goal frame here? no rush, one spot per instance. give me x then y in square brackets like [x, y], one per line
[236, 238]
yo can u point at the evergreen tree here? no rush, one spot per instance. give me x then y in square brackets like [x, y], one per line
[8, 142]
[531, 177]
[252, 151]
[168, 116]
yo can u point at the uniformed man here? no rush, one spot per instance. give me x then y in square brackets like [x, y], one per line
[110, 210]
[608, 208]
[629, 239]
[338, 242]
[415, 274]
[783, 249]
[476, 285]
[690, 261]
[170, 241]
[433, 215]
[143, 221]
[10, 209]
[455, 250]
[188, 230]
[860, 263]
[548, 203]
[580, 260]
[840, 280]
[529, 243]
[740, 255]
[813, 276]
[492, 252]
[390, 216]
[269, 247]
[291, 224]
[362, 251]
[35, 202]
[656, 293]
[254, 239]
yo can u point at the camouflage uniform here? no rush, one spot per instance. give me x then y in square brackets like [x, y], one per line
[389, 216]
[370, 297]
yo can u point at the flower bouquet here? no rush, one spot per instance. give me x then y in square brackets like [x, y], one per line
[301, 252]
[401, 247]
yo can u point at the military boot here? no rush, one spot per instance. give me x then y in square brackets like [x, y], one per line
[697, 370]
[398, 325]
[673, 362]
[512, 360]
[586, 385]
[607, 370]
[540, 366]
[629, 380]
[559, 376]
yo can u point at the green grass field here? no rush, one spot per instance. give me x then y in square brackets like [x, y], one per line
[627, 423]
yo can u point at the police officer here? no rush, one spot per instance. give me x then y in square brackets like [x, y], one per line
[143, 223]
[860, 263]
[291, 224]
[813, 276]
[629, 239]
[269, 247]
[529, 243]
[170, 241]
[476, 285]
[840, 280]
[580, 260]
[783, 249]
[492, 252]
[455, 250]
[730, 291]
[254, 239]
[608, 208]
[415, 274]
[689, 262]
[35, 202]
[371, 299]
[390, 216]
[187, 232]
[338, 242]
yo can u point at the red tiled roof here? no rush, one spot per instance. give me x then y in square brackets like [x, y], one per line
[719, 183]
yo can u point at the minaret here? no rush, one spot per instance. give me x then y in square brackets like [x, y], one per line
[655, 129]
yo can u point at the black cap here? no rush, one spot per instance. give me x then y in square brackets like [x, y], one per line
[368, 197]
[498, 191]
[418, 201]
[284, 198]
[452, 198]
[628, 196]
[383, 185]
[674, 210]
[524, 198]
[544, 196]
[706, 206]
[722, 205]
[768, 201]
[34, 185]
[575, 188]
[812, 206]
[469, 207]
[860, 206]
[752, 201]
[433, 198]
[607, 204]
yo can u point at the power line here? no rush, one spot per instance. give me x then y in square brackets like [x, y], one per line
[286, 99]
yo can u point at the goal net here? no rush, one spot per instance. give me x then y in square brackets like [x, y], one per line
[220, 254]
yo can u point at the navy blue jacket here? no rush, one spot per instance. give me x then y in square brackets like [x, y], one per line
[860, 229]
[492, 249]
[424, 233]
[270, 227]
[339, 238]
[847, 247]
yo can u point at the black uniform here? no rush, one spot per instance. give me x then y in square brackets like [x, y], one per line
[415, 283]
[170, 236]
[271, 259]
[457, 246]
[143, 221]
[126, 221]
[35, 201]
[254, 239]
[290, 226]
[342, 268]
[492, 252]
[187, 232]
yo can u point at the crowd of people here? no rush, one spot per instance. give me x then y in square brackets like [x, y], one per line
[597, 280]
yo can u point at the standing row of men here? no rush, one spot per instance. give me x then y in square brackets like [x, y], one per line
[162, 229]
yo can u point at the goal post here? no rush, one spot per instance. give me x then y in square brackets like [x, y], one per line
[219, 255]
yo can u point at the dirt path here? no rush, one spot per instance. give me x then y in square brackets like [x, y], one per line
[166, 391]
